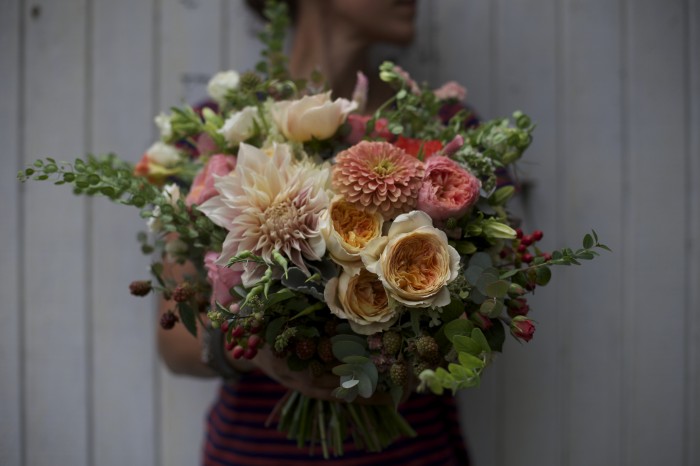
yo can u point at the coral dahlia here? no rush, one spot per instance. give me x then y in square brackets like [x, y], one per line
[379, 177]
[270, 203]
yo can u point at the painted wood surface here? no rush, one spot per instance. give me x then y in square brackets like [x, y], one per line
[613, 375]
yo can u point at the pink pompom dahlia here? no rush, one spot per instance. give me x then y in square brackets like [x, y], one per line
[448, 190]
[379, 177]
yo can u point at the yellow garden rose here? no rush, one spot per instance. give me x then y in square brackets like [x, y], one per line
[347, 230]
[315, 116]
[414, 261]
[362, 300]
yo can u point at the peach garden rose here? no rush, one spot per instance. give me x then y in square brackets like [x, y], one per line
[414, 262]
[311, 117]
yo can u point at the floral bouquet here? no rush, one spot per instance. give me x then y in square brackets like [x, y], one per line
[378, 248]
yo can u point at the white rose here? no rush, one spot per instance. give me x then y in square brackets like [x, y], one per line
[164, 126]
[221, 83]
[239, 126]
[347, 230]
[362, 300]
[414, 261]
[163, 154]
[315, 116]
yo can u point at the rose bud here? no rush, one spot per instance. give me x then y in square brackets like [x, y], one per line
[481, 321]
[522, 328]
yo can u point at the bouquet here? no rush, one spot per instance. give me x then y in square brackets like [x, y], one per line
[376, 247]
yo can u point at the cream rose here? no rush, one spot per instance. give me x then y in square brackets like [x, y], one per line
[221, 83]
[362, 300]
[239, 126]
[315, 116]
[347, 230]
[414, 261]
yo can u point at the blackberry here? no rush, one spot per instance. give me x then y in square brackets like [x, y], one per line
[427, 347]
[391, 342]
[419, 367]
[182, 292]
[399, 373]
[325, 350]
[305, 348]
[316, 368]
[140, 287]
[168, 320]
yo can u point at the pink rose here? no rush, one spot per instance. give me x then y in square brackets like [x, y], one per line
[203, 184]
[358, 124]
[205, 145]
[221, 279]
[451, 91]
[522, 328]
[448, 190]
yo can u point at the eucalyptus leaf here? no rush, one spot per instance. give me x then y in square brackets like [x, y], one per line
[478, 336]
[497, 289]
[344, 348]
[481, 259]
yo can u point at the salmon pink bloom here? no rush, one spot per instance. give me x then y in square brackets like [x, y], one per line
[448, 190]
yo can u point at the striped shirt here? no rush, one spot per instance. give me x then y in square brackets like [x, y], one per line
[236, 432]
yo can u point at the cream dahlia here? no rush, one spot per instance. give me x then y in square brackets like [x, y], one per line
[268, 203]
[379, 177]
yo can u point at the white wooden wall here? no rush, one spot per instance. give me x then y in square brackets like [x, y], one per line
[613, 375]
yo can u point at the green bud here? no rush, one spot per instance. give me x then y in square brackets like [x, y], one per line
[495, 229]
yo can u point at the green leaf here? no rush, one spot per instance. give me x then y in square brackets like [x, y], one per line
[188, 318]
[497, 289]
[491, 307]
[274, 328]
[355, 360]
[452, 311]
[496, 335]
[588, 241]
[544, 274]
[344, 348]
[466, 344]
[481, 260]
[458, 327]
[470, 361]
[509, 274]
[478, 336]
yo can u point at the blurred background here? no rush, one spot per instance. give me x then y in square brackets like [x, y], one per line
[613, 374]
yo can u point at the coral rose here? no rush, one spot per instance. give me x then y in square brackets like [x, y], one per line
[448, 190]
[347, 229]
[203, 184]
[362, 300]
[414, 261]
[314, 116]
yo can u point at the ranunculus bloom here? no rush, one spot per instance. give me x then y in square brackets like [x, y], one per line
[314, 116]
[522, 328]
[239, 126]
[221, 83]
[451, 90]
[414, 261]
[448, 190]
[362, 300]
[417, 147]
[222, 279]
[358, 125]
[203, 184]
[347, 229]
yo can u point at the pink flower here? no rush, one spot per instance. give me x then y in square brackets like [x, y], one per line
[205, 145]
[522, 328]
[221, 279]
[358, 125]
[378, 177]
[448, 190]
[451, 91]
[203, 184]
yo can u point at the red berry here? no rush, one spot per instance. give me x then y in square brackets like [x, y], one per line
[503, 254]
[537, 235]
[224, 326]
[238, 351]
[237, 331]
[527, 258]
[527, 240]
[255, 328]
[522, 248]
[518, 233]
[230, 345]
[547, 256]
[254, 341]
[250, 353]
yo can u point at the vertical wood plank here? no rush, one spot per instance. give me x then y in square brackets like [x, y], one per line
[241, 45]
[464, 43]
[190, 52]
[655, 298]
[123, 330]
[692, 413]
[592, 196]
[56, 383]
[527, 35]
[10, 232]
